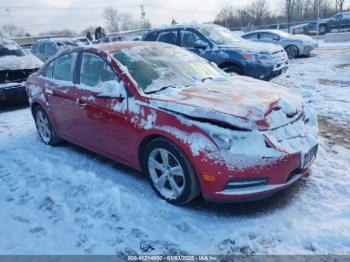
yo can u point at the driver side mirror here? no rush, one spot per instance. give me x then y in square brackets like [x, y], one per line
[275, 38]
[112, 90]
[200, 44]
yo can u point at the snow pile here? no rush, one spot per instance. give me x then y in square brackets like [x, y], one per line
[89, 204]
[139, 117]
[197, 142]
[19, 62]
[322, 80]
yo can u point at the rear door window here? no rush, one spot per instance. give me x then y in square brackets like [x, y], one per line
[151, 36]
[64, 67]
[169, 37]
[266, 36]
[251, 36]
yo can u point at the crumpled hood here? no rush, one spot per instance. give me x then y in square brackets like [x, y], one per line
[19, 62]
[239, 101]
[251, 46]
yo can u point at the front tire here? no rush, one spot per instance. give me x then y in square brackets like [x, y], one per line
[44, 127]
[170, 172]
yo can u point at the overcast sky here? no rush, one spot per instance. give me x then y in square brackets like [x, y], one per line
[42, 15]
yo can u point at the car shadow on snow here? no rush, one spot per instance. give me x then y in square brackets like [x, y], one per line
[7, 107]
[273, 203]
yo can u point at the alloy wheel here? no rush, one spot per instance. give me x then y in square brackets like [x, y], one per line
[292, 51]
[166, 173]
[43, 126]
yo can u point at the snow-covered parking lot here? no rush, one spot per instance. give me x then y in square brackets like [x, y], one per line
[66, 200]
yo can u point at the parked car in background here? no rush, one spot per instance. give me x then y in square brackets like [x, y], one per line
[295, 45]
[190, 127]
[15, 67]
[339, 21]
[44, 49]
[230, 52]
[26, 47]
[298, 29]
[82, 41]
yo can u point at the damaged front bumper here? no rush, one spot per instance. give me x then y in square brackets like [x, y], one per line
[13, 92]
[242, 177]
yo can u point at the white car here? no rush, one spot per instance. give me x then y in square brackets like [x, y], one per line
[295, 45]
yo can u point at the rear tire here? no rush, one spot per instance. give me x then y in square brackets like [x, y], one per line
[44, 127]
[170, 172]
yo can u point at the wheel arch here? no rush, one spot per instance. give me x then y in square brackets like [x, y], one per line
[179, 142]
[230, 63]
[34, 105]
[293, 45]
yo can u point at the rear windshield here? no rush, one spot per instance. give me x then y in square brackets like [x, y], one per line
[11, 50]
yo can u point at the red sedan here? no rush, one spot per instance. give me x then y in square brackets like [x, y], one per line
[166, 112]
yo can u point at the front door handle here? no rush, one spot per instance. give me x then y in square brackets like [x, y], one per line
[82, 103]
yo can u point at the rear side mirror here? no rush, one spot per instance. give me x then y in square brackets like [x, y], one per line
[200, 44]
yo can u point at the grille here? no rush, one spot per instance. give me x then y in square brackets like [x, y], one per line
[8, 76]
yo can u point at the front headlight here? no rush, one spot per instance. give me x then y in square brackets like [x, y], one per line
[223, 141]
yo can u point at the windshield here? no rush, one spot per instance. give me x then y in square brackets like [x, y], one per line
[219, 35]
[11, 50]
[157, 67]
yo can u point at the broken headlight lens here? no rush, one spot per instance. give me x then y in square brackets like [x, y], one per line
[223, 141]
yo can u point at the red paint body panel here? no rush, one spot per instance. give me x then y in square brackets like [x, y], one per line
[95, 125]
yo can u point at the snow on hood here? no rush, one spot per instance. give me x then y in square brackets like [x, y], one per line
[246, 45]
[239, 101]
[19, 62]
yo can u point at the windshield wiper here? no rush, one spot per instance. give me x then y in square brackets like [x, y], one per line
[160, 89]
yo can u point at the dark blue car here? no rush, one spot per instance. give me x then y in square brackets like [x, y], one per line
[229, 51]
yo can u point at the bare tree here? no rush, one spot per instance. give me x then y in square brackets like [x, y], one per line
[112, 18]
[119, 21]
[90, 29]
[259, 10]
[340, 4]
[11, 30]
[289, 9]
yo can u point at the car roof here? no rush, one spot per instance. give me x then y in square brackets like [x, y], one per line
[265, 31]
[180, 26]
[177, 26]
[114, 47]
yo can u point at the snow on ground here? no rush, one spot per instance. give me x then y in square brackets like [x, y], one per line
[323, 79]
[66, 200]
